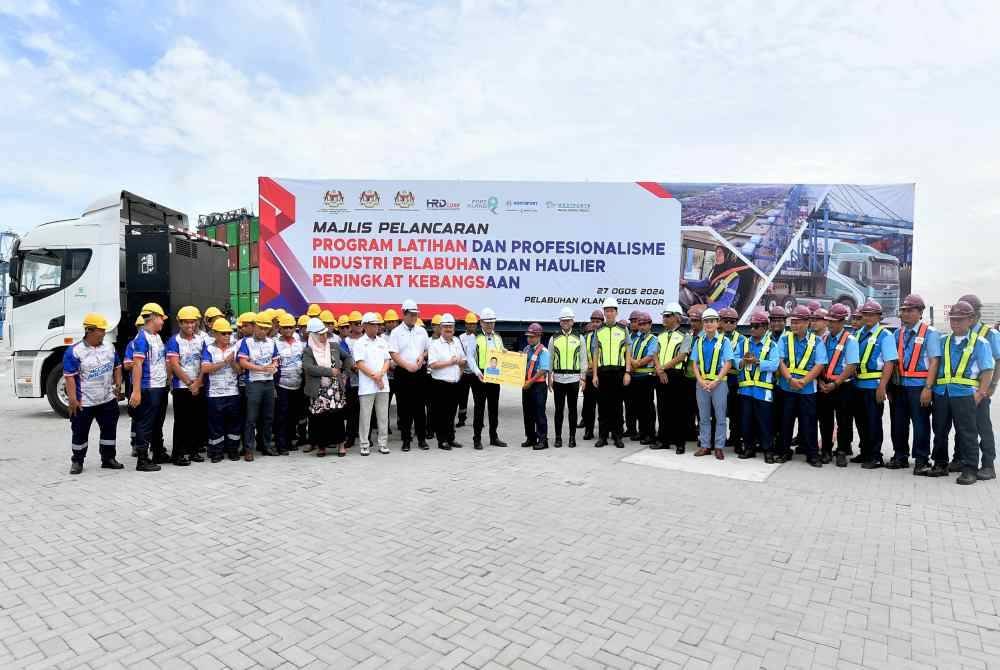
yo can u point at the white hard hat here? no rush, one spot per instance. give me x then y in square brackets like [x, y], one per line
[673, 308]
[316, 326]
[709, 314]
[566, 313]
[447, 319]
[487, 314]
[410, 306]
[369, 317]
[610, 302]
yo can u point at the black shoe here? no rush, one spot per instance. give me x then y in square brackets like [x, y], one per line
[939, 470]
[680, 450]
[744, 455]
[406, 446]
[233, 456]
[986, 473]
[873, 464]
[146, 466]
[967, 477]
[558, 443]
[544, 444]
[858, 459]
[898, 463]
[780, 458]
[427, 436]
[841, 460]
[134, 452]
[921, 469]
[161, 459]
[769, 458]
[619, 443]
[825, 457]
[635, 437]
[657, 445]
[572, 442]
[954, 466]
[111, 464]
[198, 458]
[75, 468]
[647, 442]
[182, 461]
[282, 452]
[444, 446]
[497, 442]
[461, 422]
[603, 442]
[455, 445]
[814, 462]
[423, 445]
[529, 443]
[588, 434]
[215, 459]
[477, 444]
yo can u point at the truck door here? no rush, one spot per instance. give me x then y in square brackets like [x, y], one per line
[79, 296]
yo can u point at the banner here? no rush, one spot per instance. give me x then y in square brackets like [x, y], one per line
[524, 249]
[505, 367]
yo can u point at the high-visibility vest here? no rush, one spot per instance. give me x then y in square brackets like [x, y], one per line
[611, 341]
[863, 371]
[483, 349]
[798, 367]
[838, 351]
[713, 372]
[567, 353]
[689, 368]
[754, 380]
[670, 341]
[984, 333]
[957, 376]
[736, 340]
[588, 342]
[724, 280]
[639, 351]
[534, 354]
[909, 368]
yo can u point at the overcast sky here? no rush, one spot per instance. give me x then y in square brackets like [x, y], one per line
[187, 102]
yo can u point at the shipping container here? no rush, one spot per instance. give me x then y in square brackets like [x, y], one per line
[234, 303]
[234, 282]
[245, 304]
[234, 258]
[244, 231]
[254, 302]
[244, 281]
[244, 256]
[254, 280]
[254, 255]
[232, 233]
[254, 229]
[209, 232]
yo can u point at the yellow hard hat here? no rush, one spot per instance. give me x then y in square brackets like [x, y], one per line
[263, 319]
[245, 318]
[280, 312]
[390, 315]
[95, 320]
[313, 310]
[471, 318]
[303, 320]
[213, 313]
[420, 322]
[139, 321]
[221, 325]
[344, 320]
[153, 308]
[355, 317]
[326, 316]
[188, 313]
[286, 321]
[436, 320]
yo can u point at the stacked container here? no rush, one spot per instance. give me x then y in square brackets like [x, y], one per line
[241, 231]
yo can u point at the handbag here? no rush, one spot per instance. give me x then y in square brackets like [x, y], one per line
[330, 397]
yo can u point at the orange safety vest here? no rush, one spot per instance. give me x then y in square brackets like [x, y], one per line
[529, 373]
[838, 350]
[909, 368]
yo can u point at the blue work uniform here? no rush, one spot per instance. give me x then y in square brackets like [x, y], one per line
[836, 407]
[642, 386]
[800, 355]
[535, 396]
[916, 347]
[756, 393]
[876, 348]
[149, 352]
[963, 359]
[93, 371]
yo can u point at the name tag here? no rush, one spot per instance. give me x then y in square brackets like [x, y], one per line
[919, 340]
[839, 347]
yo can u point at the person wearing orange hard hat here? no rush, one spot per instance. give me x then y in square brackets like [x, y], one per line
[468, 340]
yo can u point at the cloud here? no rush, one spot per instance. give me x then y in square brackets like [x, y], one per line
[27, 9]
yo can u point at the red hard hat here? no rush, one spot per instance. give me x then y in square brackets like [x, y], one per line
[962, 309]
[597, 314]
[634, 314]
[819, 313]
[534, 329]
[974, 302]
[694, 311]
[623, 323]
[871, 307]
[728, 313]
[645, 317]
[813, 305]
[914, 301]
[838, 312]
[759, 316]
[801, 312]
[778, 312]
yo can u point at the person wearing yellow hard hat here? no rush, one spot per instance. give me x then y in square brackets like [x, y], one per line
[184, 361]
[140, 321]
[93, 377]
[208, 318]
[468, 340]
[391, 320]
[314, 311]
[258, 356]
[301, 324]
[149, 390]
[408, 350]
[224, 414]
[330, 321]
[288, 385]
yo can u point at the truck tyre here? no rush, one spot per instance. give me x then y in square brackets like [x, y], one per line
[55, 391]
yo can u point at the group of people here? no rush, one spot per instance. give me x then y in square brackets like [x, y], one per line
[319, 382]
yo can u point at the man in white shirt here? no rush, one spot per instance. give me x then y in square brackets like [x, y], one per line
[485, 394]
[445, 358]
[371, 358]
[408, 344]
[468, 340]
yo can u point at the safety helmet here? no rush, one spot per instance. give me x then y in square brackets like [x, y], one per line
[436, 320]
[645, 317]
[534, 329]
[634, 315]
[728, 313]
[139, 321]
[304, 320]
[188, 313]
[914, 301]
[962, 309]
[221, 325]
[313, 310]
[838, 312]
[609, 302]
[409, 306]
[344, 320]
[213, 313]
[95, 320]
[245, 318]
[819, 313]
[759, 317]
[813, 305]
[871, 307]
[286, 321]
[695, 312]
[471, 318]
[597, 314]
[263, 320]
[316, 326]
[326, 316]
[973, 300]
[487, 314]
[420, 322]
[566, 313]
[709, 314]
[446, 319]
[354, 317]
[778, 313]
[672, 308]
[152, 308]
[801, 312]
[391, 315]
[371, 317]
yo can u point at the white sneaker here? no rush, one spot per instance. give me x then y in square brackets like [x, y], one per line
[383, 450]
[365, 451]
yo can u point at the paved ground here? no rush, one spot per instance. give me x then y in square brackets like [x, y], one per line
[501, 558]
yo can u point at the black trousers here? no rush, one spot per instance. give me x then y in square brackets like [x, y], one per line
[533, 401]
[758, 424]
[869, 424]
[352, 412]
[984, 428]
[326, 429]
[961, 413]
[287, 405]
[671, 409]
[445, 404]
[188, 424]
[630, 401]
[836, 408]
[565, 396]
[588, 414]
[464, 386]
[610, 395]
[800, 406]
[106, 415]
[905, 409]
[485, 396]
[778, 410]
[148, 420]
[734, 410]
[643, 389]
[410, 392]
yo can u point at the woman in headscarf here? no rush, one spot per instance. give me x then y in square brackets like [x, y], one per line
[722, 287]
[323, 364]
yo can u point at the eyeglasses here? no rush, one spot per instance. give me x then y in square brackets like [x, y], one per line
[757, 325]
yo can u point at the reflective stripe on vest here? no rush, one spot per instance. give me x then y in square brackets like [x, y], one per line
[838, 351]
[639, 347]
[796, 367]
[588, 343]
[755, 380]
[670, 342]
[958, 376]
[483, 349]
[909, 368]
[863, 371]
[567, 351]
[611, 341]
[725, 279]
[529, 372]
[734, 340]
[714, 373]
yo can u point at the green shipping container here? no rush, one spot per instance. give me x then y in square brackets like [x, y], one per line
[234, 303]
[234, 282]
[244, 281]
[254, 302]
[254, 229]
[209, 232]
[244, 256]
[232, 233]
[244, 303]
[254, 279]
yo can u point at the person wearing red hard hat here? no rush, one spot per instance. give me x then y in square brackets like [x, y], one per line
[673, 347]
[757, 361]
[835, 401]
[644, 349]
[728, 318]
[588, 413]
[918, 347]
[964, 375]
[984, 425]
[777, 320]
[875, 369]
[802, 358]
[535, 390]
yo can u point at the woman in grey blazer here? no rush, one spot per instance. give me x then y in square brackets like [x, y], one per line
[322, 362]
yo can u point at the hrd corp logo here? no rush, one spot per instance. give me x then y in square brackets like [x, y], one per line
[491, 203]
[369, 199]
[333, 200]
[441, 203]
[404, 200]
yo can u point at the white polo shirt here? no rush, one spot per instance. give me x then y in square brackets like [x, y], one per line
[442, 350]
[408, 342]
[373, 353]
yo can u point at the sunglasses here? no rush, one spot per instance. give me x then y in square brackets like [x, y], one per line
[757, 325]
[729, 321]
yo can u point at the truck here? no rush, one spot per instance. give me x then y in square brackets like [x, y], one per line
[123, 251]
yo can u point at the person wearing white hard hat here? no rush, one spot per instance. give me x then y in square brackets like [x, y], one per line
[612, 358]
[485, 395]
[323, 366]
[371, 358]
[445, 358]
[408, 346]
[673, 348]
[712, 356]
[569, 361]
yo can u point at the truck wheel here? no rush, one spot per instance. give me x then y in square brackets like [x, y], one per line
[55, 391]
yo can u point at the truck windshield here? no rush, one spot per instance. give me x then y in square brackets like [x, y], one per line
[885, 271]
[39, 270]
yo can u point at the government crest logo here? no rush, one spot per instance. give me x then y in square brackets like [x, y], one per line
[404, 199]
[369, 199]
[333, 199]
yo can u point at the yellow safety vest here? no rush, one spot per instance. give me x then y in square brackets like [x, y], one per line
[689, 368]
[611, 341]
[567, 353]
[670, 341]
[483, 349]
[734, 340]
[958, 375]
[863, 371]
[639, 351]
[798, 367]
[713, 373]
[755, 379]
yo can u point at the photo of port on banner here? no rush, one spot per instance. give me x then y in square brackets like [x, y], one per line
[505, 367]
